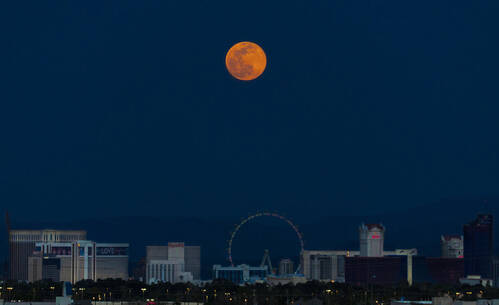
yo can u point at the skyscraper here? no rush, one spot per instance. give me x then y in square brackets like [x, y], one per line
[372, 238]
[478, 246]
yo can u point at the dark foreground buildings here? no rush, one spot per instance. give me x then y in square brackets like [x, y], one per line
[392, 270]
[361, 270]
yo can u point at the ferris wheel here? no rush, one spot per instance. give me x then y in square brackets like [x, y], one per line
[264, 214]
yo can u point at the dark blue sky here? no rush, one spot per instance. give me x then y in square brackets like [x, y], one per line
[125, 107]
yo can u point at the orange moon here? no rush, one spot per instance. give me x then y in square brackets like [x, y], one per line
[246, 61]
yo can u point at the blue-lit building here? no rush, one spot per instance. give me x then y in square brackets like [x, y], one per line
[478, 246]
[240, 274]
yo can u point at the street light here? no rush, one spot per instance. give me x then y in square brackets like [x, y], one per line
[9, 289]
[143, 292]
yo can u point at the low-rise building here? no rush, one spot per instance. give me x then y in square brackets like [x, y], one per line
[285, 279]
[474, 280]
[240, 274]
[78, 260]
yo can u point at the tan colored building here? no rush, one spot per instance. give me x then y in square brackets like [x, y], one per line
[34, 269]
[323, 265]
[79, 260]
[174, 257]
[22, 244]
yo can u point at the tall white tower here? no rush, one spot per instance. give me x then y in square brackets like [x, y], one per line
[372, 237]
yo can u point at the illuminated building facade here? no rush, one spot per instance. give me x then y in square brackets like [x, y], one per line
[371, 238]
[78, 260]
[22, 244]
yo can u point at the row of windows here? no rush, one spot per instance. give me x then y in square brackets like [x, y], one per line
[161, 272]
[25, 237]
[235, 276]
[63, 237]
[46, 237]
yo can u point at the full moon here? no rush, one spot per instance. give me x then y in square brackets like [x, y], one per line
[246, 60]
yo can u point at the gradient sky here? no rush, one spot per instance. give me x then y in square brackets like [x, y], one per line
[126, 108]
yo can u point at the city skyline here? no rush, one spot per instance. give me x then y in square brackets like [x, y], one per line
[374, 232]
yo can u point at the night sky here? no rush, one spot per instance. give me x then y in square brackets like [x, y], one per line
[126, 108]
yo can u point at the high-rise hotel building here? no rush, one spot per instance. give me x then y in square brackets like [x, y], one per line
[22, 245]
[372, 237]
[479, 246]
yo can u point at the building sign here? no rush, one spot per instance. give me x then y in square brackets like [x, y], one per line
[60, 250]
[112, 251]
[375, 236]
